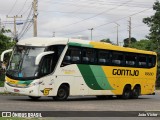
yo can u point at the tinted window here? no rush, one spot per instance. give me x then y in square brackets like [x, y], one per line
[117, 58]
[142, 61]
[47, 65]
[151, 61]
[56, 48]
[72, 56]
[92, 56]
[130, 59]
[103, 57]
[88, 56]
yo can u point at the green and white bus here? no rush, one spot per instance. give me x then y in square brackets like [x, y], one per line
[62, 67]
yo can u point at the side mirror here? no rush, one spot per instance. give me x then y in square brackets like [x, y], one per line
[4, 52]
[39, 56]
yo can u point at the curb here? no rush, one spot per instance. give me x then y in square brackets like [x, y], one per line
[1, 89]
[157, 91]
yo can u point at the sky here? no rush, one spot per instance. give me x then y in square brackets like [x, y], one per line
[75, 18]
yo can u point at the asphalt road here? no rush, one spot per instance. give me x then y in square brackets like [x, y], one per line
[86, 103]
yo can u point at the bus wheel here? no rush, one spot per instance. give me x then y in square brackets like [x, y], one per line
[62, 94]
[126, 93]
[136, 92]
[33, 97]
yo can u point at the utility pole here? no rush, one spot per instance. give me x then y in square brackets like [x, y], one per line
[117, 33]
[54, 34]
[120, 43]
[0, 24]
[15, 30]
[91, 32]
[130, 27]
[35, 14]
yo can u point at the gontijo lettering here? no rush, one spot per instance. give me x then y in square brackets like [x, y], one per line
[125, 72]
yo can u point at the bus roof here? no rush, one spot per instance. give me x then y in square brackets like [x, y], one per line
[36, 41]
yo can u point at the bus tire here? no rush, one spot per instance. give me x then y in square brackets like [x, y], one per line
[62, 94]
[136, 92]
[126, 93]
[34, 97]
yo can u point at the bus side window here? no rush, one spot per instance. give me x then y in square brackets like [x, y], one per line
[72, 56]
[151, 61]
[85, 59]
[47, 65]
[67, 58]
[130, 60]
[117, 58]
[103, 57]
[142, 61]
[88, 56]
[75, 54]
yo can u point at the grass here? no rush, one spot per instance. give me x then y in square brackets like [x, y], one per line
[157, 88]
[1, 83]
[2, 77]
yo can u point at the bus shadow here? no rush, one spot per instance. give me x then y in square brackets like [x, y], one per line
[100, 99]
[72, 99]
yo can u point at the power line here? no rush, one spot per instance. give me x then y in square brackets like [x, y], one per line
[22, 7]
[119, 31]
[27, 9]
[11, 10]
[19, 11]
[98, 4]
[26, 30]
[15, 30]
[93, 16]
[12, 7]
[25, 24]
[110, 22]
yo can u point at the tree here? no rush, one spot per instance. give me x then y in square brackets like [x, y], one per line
[5, 41]
[106, 40]
[142, 45]
[154, 23]
[126, 41]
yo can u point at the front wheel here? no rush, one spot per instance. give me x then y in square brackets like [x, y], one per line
[62, 94]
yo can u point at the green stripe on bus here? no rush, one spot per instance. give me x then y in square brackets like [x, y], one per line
[80, 45]
[101, 77]
[89, 78]
[95, 77]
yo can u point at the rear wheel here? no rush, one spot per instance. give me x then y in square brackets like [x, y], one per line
[62, 94]
[126, 93]
[136, 92]
[34, 97]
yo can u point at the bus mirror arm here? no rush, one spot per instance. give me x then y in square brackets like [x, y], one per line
[4, 52]
[39, 56]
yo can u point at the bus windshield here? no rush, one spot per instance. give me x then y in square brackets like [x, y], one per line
[22, 62]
